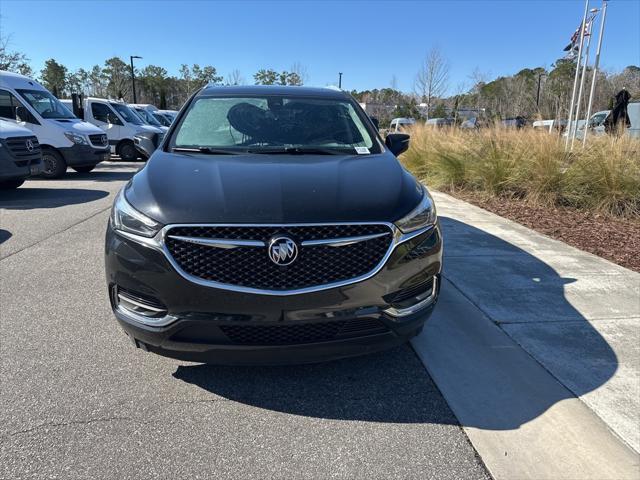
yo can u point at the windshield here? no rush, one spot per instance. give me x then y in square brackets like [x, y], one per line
[263, 124]
[147, 117]
[162, 119]
[46, 104]
[126, 113]
[597, 119]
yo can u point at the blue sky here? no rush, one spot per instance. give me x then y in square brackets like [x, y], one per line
[369, 41]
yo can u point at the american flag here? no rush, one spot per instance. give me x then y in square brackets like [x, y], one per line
[574, 46]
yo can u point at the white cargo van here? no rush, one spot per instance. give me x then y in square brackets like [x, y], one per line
[120, 123]
[147, 117]
[168, 114]
[65, 140]
[148, 112]
[20, 155]
[164, 119]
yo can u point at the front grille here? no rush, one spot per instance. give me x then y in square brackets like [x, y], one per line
[251, 267]
[18, 146]
[99, 140]
[303, 333]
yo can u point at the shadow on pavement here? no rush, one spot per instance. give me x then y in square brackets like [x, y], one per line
[385, 387]
[394, 386]
[4, 235]
[25, 198]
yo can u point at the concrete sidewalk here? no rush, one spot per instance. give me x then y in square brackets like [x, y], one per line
[526, 326]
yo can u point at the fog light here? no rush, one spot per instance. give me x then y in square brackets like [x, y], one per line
[413, 299]
[140, 308]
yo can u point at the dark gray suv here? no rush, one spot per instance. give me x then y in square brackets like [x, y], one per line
[273, 225]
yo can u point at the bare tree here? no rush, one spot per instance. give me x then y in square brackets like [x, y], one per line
[13, 61]
[235, 78]
[301, 71]
[432, 79]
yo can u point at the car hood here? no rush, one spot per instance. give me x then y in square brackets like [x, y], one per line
[148, 129]
[176, 188]
[10, 129]
[78, 126]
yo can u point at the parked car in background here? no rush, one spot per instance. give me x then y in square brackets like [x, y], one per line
[439, 122]
[550, 125]
[233, 246]
[164, 120]
[164, 117]
[595, 124]
[514, 122]
[120, 122]
[400, 124]
[168, 114]
[20, 155]
[148, 118]
[633, 110]
[65, 140]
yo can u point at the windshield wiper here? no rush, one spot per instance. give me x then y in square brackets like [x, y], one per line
[207, 150]
[300, 151]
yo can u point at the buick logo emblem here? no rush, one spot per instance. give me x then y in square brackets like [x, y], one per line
[282, 251]
[29, 145]
[103, 139]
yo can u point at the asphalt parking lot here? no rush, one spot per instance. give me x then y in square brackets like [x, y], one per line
[78, 401]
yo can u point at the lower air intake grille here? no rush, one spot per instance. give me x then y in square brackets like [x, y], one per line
[303, 333]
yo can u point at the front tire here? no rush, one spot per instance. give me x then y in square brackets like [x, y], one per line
[84, 168]
[127, 152]
[11, 184]
[53, 165]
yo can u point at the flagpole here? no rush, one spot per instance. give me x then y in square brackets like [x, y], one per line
[595, 67]
[575, 79]
[584, 75]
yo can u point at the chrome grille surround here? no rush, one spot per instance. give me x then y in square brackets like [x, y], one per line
[158, 242]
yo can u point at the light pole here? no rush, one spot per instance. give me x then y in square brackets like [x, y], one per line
[589, 25]
[339, 79]
[577, 75]
[595, 69]
[133, 78]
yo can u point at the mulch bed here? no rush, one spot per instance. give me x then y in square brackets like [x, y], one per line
[616, 239]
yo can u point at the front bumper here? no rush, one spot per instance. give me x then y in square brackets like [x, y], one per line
[12, 168]
[199, 317]
[84, 155]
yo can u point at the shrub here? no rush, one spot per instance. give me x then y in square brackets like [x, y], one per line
[529, 164]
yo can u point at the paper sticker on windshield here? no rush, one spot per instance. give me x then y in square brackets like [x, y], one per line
[362, 150]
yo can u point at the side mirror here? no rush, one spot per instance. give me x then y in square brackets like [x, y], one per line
[375, 122]
[397, 143]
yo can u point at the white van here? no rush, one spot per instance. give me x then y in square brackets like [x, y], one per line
[120, 123]
[168, 114]
[147, 116]
[20, 155]
[151, 111]
[65, 139]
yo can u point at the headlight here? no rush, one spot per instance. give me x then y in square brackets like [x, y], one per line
[421, 216]
[77, 139]
[127, 219]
